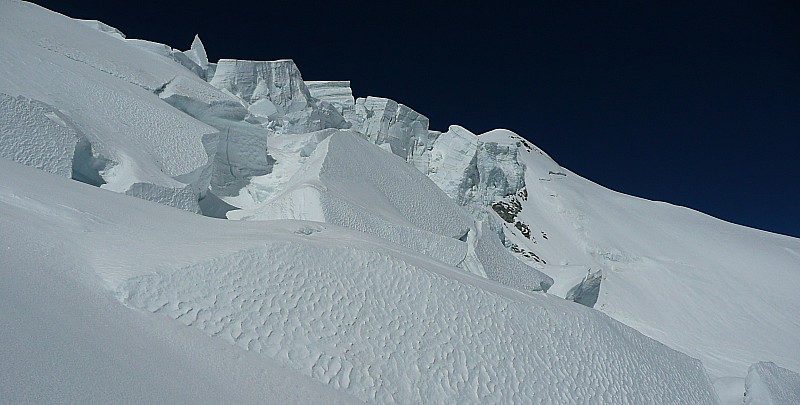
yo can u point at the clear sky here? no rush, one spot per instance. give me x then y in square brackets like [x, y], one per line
[696, 103]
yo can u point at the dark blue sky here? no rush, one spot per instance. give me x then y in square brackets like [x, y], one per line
[689, 102]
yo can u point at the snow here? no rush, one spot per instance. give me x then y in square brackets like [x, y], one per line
[369, 194]
[35, 134]
[104, 87]
[197, 53]
[332, 187]
[338, 93]
[103, 27]
[670, 272]
[279, 87]
[375, 260]
[395, 126]
[297, 303]
[768, 384]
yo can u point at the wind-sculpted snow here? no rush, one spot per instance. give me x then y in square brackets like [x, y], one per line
[768, 384]
[274, 91]
[296, 299]
[388, 331]
[35, 134]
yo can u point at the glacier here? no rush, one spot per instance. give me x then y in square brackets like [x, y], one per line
[333, 248]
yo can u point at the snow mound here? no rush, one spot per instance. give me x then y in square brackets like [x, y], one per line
[386, 331]
[768, 384]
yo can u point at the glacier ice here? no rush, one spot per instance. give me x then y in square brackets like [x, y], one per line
[197, 53]
[338, 93]
[357, 205]
[768, 384]
[106, 87]
[275, 91]
[395, 126]
[368, 194]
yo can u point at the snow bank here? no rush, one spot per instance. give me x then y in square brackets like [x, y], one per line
[768, 384]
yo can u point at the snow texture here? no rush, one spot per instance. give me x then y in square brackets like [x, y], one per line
[352, 312]
[105, 87]
[35, 134]
[379, 261]
[768, 384]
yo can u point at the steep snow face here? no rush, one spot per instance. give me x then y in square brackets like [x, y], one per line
[338, 93]
[769, 384]
[34, 134]
[668, 271]
[476, 171]
[367, 194]
[370, 194]
[325, 304]
[274, 91]
[105, 87]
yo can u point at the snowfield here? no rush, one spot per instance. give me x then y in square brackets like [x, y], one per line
[360, 315]
[178, 230]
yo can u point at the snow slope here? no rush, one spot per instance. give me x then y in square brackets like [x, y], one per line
[371, 194]
[104, 86]
[361, 315]
[718, 291]
[379, 260]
